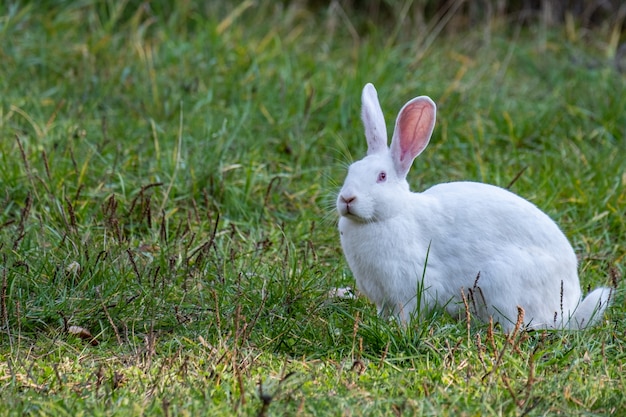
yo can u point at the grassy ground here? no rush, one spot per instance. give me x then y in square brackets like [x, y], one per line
[168, 241]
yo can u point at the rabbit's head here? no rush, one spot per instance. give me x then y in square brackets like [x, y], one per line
[376, 185]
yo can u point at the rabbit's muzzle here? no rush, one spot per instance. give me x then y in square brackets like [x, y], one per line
[345, 204]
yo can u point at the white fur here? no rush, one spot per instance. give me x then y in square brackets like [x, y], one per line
[498, 249]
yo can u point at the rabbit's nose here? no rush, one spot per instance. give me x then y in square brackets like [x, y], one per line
[348, 199]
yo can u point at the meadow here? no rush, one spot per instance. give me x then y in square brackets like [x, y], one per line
[168, 240]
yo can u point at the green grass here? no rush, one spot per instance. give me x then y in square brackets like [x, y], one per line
[167, 184]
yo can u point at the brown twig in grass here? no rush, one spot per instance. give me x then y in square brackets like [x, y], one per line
[73, 159]
[383, 356]
[510, 338]
[134, 265]
[360, 346]
[196, 213]
[235, 357]
[163, 228]
[249, 326]
[518, 324]
[155, 276]
[310, 242]
[78, 190]
[615, 276]
[183, 229]
[46, 165]
[268, 190]
[496, 365]
[531, 372]
[150, 340]
[467, 313]
[21, 225]
[507, 384]
[140, 194]
[102, 255]
[4, 313]
[218, 319]
[29, 173]
[72, 214]
[53, 116]
[523, 396]
[449, 357]
[109, 209]
[516, 177]
[146, 213]
[210, 243]
[108, 316]
[355, 329]
[207, 201]
[7, 223]
[23, 154]
[480, 349]
[562, 313]
[476, 290]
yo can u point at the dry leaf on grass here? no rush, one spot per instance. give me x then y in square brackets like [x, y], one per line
[83, 334]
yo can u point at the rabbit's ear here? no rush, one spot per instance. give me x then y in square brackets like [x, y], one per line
[414, 126]
[373, 121]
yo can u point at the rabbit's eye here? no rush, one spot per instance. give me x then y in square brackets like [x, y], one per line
[382, 177]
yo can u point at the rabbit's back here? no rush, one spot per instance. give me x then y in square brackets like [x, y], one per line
[492, 216]
[502, 250]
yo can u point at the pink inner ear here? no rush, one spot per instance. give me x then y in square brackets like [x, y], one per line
[414, 125]
[414, 128]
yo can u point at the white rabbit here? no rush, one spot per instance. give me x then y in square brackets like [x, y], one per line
[411, 251]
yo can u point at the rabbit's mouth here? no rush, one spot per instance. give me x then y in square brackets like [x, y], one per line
[345, 210]
[348, 211]
[346, 207]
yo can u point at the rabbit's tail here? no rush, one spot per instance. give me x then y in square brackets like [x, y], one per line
[591, 308]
